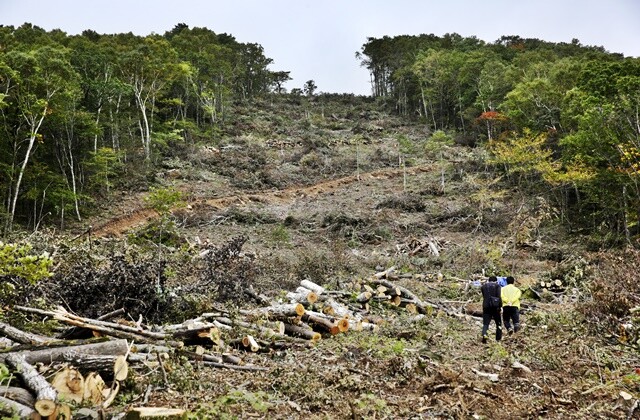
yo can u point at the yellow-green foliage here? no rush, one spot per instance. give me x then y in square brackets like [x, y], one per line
[17, 260]
[524, 155]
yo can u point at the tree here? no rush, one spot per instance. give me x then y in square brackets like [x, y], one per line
[309, 87]
[40, 76]
[278, 79]
[148, 69]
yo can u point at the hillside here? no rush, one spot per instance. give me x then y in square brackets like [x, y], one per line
[335, 190]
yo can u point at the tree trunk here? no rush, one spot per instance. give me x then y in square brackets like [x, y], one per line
[10, 408]
[35, 127]
[59, 354]
[45, 394]
[24, 337]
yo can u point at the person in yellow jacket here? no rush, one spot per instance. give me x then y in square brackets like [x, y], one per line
[510, 295]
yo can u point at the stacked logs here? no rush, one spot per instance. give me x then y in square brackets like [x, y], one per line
[95, 354]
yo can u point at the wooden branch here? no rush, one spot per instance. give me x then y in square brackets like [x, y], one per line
[104, 327]
[302, 332]
[324, 324]
[56, 354]
[10, 407]
[337, 309]
[275, 311]
[249, 342]
[317, 289]
[263, 300]
[364, 297]
[76, 332]
[302, 295]
[235, 367]
[24, 337]
[206, 335]
[265, 332]
[17, 394]
[384, 273]
[45, 394]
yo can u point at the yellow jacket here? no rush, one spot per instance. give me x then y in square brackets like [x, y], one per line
[511, 295]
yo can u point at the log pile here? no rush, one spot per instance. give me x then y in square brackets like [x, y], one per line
[93, 357]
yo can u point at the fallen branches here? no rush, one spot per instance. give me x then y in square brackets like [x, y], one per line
[46, 396]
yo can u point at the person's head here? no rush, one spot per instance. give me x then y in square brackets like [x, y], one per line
[510, 280]
[493, 278]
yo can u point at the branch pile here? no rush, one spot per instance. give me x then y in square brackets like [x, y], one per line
[92, 356]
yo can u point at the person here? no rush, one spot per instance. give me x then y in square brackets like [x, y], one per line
[491, 305]
[511, 305]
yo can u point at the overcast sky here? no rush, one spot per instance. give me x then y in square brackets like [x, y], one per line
[318, 39]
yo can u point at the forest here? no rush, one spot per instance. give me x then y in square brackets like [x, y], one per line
[557, 117]
[209, 242]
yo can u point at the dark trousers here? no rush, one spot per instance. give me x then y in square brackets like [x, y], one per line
[509, 314]
[487, 316]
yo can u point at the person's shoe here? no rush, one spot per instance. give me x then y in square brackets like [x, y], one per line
[509, 331]
[484, 339]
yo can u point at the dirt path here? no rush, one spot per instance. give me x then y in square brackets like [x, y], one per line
[138, 217]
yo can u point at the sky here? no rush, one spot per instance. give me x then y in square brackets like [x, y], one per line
[317, 39]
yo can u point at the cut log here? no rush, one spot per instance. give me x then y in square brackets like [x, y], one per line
[140, 413]
[249, 342]
[342, 324]
[411, 308]
[385, 273]
[557, 283]
[57, 354]
[93, 388]
[434, 248]
[261, 299]
[10, 408]
[302, 295]
[317, 289]
[46, 396]
[120, 368]
[231, 359]
[62, 411]
[17, 394]
[364, 297]
[321, 323]
[276, 311]
[332, 307]
[493, 377]
[103, 327]
[69, 383]
[24, 337]
[396, 300]
[361, 326]
[302, 332]
[421, 305]
[205, 335]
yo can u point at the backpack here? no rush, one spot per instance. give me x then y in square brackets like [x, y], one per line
[495, 302]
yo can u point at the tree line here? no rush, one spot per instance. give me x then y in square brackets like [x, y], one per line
[561, 119]
[74, 109]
